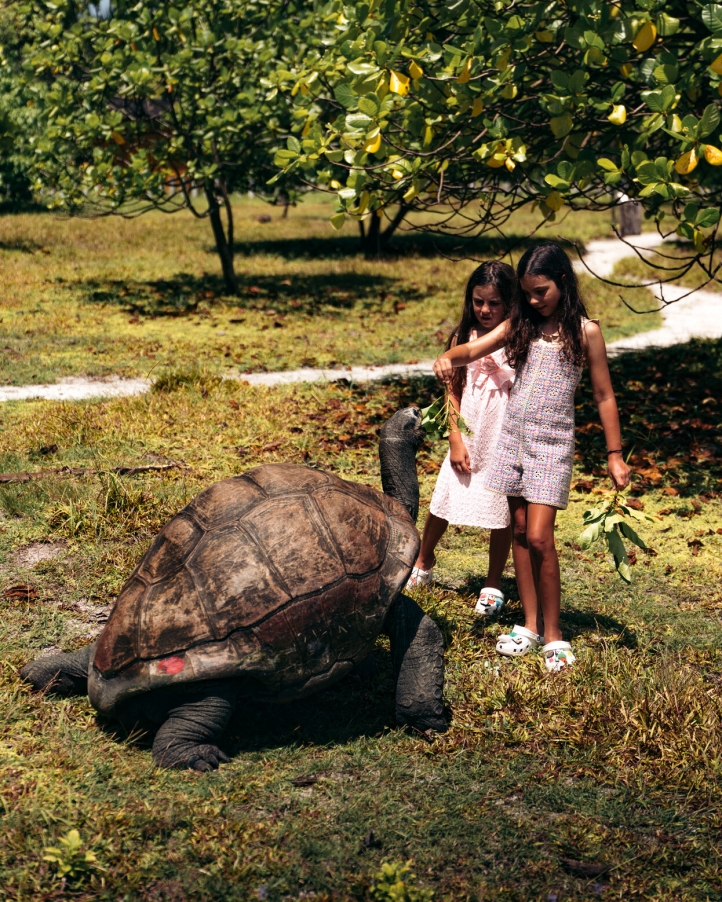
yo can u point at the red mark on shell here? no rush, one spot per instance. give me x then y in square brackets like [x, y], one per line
[171, 666]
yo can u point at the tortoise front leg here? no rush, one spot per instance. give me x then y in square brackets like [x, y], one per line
[190, 735]
[65, 674]
[417, 651]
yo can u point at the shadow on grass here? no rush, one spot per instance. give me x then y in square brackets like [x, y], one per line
[186, 295]
[408, 243]
[358, 705]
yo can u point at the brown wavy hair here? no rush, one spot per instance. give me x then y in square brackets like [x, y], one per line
[550, 261]
[500, 276]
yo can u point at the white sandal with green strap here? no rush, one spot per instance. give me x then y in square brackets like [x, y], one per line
[518, 642]
[557, 656]
[490, 602]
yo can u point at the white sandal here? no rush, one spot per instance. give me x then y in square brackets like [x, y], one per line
[420, 577]
[557, 656]
[518, 642]
[490, 602]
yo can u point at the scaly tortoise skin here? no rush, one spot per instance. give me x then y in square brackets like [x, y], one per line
[282, 576]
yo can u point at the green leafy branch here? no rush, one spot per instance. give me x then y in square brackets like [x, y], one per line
[609, 521]
[439, 417]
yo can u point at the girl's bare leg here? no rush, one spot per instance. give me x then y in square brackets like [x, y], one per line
[434, 528]
[523, 566]
[545, 563]
[499, 545]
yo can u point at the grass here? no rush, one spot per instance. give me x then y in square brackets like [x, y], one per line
[661, 265]
[603, 782]
[104, 297]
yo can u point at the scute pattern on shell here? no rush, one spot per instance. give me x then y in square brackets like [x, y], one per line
[283, 574]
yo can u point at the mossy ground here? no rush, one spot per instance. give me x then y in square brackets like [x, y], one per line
[112, 296]
[603, 782]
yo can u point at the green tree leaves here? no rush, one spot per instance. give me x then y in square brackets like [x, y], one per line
[462, 88]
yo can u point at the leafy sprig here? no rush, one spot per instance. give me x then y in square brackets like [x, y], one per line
[609, 520]
[440, 416]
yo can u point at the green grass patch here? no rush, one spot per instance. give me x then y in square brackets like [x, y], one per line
[600, 782]
[139, 297]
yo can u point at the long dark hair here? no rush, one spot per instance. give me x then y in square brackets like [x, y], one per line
[502, 277]
[550, 261]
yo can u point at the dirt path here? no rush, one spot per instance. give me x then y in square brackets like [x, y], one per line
[697, 316]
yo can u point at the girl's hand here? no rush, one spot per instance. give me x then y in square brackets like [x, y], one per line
[458, 455]
[619, 471]
[443, 369]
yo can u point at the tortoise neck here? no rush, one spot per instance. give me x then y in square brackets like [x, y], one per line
[398, 472]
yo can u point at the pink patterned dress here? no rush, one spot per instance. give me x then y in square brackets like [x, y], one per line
[460, 498]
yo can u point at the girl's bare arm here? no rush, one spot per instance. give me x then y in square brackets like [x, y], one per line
[606, 403]
[464, 354]
[458, 454]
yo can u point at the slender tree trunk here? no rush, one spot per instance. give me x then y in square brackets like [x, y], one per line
[374, 239]
[224, 242]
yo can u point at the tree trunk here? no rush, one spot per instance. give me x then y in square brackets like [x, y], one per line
[224, 242]
[630, 218]
[374, 240]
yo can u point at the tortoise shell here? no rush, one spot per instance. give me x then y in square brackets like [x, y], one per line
[282, 575]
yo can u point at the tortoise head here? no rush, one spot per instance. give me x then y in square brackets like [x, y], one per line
[401, 437]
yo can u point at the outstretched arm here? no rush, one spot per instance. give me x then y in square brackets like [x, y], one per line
[606, 404]
[464, 354]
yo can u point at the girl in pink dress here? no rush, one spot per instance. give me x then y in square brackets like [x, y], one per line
[480, 393]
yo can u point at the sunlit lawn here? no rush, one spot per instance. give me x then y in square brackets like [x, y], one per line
[111, 296]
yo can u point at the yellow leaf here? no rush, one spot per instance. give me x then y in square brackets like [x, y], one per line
[510, 164]
[399, 83]
[674, 123]
[554, 201]
[716, 65]
[618, 116]
[373, 144]
[626, 70]
[466, 73]
[304, 89]
[334, 184]
[544, 36]
[497, 161]
[118, 138]
[410, 194]
[502, 61]
[397, 173]
[477, 108]
[646, 36]
[700, 242]
[362, 203]
[415, 71]
[687, 162]
[155, 33]
[382, 88]
[306, 128]
[509, 92]
[713, 155]
[428, 135]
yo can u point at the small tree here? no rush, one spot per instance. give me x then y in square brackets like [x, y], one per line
[159, 105]
[470, 109]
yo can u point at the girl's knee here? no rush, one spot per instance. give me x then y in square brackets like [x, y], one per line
[540, 542]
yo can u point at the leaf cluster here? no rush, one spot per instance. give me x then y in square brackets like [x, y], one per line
[468, 110]
[610, 521]
[69, 859]
[440, 417]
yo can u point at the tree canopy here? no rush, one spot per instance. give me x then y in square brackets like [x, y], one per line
[163, 106]
[469, 109]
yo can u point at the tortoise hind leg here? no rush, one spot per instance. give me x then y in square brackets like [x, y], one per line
[190, 735]
[65, 674]
[417, 651]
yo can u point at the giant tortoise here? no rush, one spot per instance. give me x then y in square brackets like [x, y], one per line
[269, 585]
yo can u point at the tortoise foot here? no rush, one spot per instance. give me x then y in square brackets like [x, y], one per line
[201, 758]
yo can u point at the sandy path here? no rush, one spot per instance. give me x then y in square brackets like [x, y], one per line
[696, 316]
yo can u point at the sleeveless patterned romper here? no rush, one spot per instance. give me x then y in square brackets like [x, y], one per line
[535, 453]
